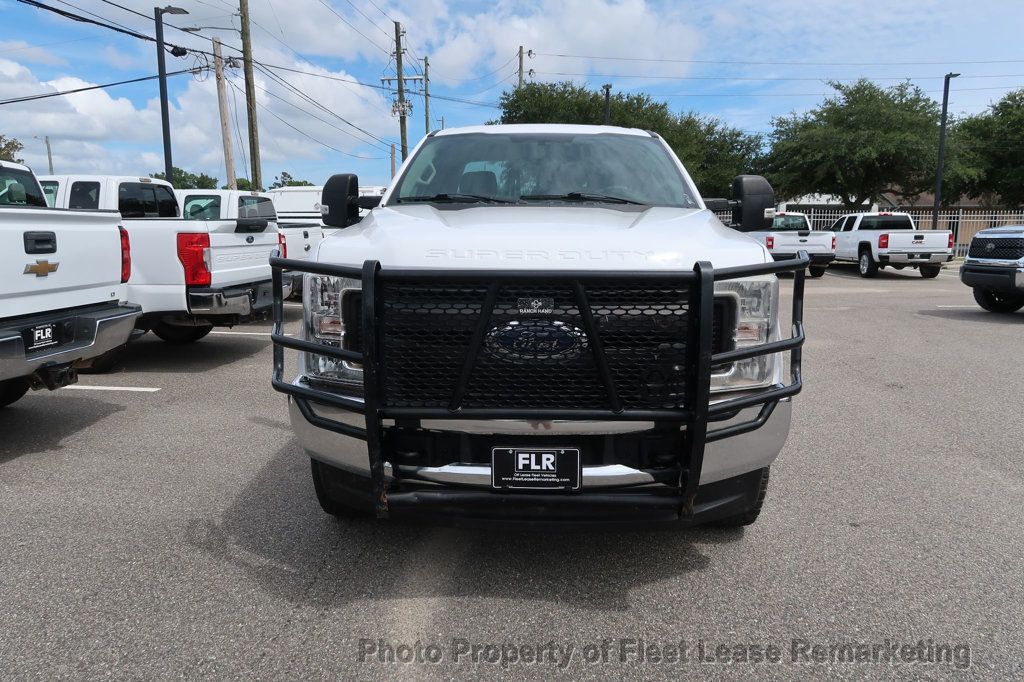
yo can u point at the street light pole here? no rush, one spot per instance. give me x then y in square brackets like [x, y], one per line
[158, 17]
[942, 150]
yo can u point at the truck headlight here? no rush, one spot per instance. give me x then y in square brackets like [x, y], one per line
[756, 305]
[325, 301]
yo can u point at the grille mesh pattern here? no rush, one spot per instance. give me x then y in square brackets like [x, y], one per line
[536, 359]
[1005, 249]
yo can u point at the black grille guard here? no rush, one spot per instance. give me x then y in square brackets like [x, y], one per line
[694, 416]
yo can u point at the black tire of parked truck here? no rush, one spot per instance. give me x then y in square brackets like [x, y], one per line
[750, 515]
[178, 334]
[997, 302]
[817, 270]
[866, 264]
[11, 390]
[930, 271]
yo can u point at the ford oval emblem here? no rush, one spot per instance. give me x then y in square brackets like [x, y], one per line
[531, 340]
[250, 239]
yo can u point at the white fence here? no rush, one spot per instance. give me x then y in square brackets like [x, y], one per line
[964, 222]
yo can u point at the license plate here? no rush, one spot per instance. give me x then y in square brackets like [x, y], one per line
[41, 336]
[535, 468]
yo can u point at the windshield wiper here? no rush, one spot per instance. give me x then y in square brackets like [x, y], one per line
[580, 196]
[455, 198]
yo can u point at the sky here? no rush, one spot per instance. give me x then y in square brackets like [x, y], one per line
[322, 108]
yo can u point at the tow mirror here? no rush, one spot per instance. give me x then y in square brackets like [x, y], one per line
[369, 202]
[339, 202]
[754, 207]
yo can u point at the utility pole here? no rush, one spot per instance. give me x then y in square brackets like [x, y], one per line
[250, 96]
[222, 104]
[426, 95]
[49, 153]
[165, 119]
[942, 150]
[520, 65]
[401, 90]
[607, 103]
[442, 123]
[392, 159]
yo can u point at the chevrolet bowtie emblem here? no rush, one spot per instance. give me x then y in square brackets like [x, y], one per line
[41, 268]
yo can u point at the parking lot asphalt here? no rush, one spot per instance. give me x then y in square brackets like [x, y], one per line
[173, 531]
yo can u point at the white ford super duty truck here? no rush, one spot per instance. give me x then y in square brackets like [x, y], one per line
[878, 240]
[189, 274]
[791, 232]
[62, 287]
[543, 324]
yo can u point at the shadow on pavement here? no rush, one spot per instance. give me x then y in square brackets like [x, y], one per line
[977, 316]
[150, 354]
[30, 425]
[849, 271]
[275, 531]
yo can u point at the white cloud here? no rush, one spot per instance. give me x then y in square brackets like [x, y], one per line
[19, 49]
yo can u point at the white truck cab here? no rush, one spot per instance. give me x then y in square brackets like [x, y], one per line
[790, 233]
[62, 287]
[542, 325]
[889, 239]
[189, 273]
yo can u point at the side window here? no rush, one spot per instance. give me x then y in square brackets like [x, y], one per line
[201, 207]
[166, 204]
[84, 195]
[850, 222]
[837, 226]
[50, 188]
[256, 207]
[129, 200]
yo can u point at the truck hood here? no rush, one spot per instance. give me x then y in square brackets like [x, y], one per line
[1005, 231]
[541, 237]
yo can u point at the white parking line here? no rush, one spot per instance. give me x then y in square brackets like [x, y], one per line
[242, 333]
[131, 389]
[956, 306]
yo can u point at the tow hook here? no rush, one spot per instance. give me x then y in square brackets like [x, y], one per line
[53, 377]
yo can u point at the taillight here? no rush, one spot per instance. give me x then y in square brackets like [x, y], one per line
[883, 241]
[769, 241]
[833, 242]
[192, 250]
[283, 244]
[950, 246]
[126, 256]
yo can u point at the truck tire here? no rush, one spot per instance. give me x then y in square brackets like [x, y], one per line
[750, 515]
[997, 302]
[817, 270]
[12, 389]
[179, 334]
[322, 475]
[930, 271]
[866, 264]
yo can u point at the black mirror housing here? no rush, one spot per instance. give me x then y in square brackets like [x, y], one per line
[754, 206]
[369, 202]
[340, 199]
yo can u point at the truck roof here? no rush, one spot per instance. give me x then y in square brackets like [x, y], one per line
[535, 128]
[100, 178]
[12, 164]
[221, 192]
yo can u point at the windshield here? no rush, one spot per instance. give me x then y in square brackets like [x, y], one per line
[783, 223]
[496, 168]
[886, 222]
[19, 188]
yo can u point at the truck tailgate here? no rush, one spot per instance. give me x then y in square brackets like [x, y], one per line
[925, 241]
[790, 241]
[52, 259]
[301, 238]
[239, 258]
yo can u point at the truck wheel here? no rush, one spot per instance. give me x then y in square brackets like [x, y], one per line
[180, 335]
[12, 389]
[930, 271]
[817, 270]
[867, 265]
[996, 302]
[750, 515]
[322, 475]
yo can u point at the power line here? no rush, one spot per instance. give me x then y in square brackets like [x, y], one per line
[760, 63]
[45, 95]
[372, 23]
[758, 78]
[352, 26]
[238, 135]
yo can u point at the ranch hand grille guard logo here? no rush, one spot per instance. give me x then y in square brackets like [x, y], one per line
[536, 306]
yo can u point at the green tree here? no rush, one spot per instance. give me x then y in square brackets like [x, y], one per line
[9, 148]
[285, 179]
[185, 180]
[985, 157]
[713, 152]
[857, 144]
[241, 183]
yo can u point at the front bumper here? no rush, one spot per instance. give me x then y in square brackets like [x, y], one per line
[816, 258]
[87, 332]
[1008, 278]
[237, 302]
[914, 258]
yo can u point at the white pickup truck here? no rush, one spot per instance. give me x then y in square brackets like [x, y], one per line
[542, 325]
[189, 274]
[790, 233]
[62, 287]
[878, 240]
